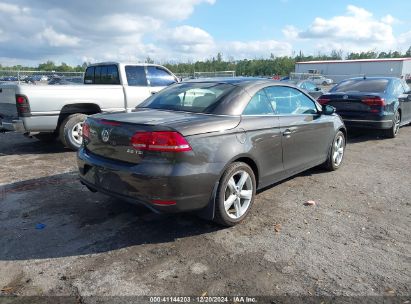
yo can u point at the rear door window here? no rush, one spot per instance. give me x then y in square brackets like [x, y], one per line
[136, 76]
[259, 105]
[289, 101]
[158, 77]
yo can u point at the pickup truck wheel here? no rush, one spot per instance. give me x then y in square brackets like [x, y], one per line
[71, 131]
[46, 137]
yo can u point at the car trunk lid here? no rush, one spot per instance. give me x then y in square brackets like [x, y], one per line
[110, 135]
[353, 102]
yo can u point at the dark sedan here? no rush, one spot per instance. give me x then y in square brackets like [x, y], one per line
[309, 86]
[372, 102]
[209, 145]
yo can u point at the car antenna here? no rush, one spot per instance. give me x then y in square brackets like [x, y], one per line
[364, 77]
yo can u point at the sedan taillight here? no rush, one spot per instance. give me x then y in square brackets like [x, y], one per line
[323, 100]
[161, 141]
[86, 130]
[373, 101]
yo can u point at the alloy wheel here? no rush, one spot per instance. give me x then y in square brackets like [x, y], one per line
[238, 194]
[338, 150]
[397, 121]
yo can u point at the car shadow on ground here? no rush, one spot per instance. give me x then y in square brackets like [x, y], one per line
[57, 217]
[14, 143]
[361, 135]
[11, 144]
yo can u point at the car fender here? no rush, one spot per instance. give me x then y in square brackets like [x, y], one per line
[208, 212]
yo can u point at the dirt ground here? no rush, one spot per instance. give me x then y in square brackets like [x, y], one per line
[356, 240]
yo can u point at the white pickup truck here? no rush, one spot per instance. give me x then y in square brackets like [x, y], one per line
[49, 112]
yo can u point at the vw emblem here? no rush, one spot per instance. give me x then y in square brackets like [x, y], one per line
[345, 97]
[105, 135]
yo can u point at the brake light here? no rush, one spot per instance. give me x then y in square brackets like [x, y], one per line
[86, 130]
[323, 100]
[374, 101]
[20, 99]
[22, 104]
[163, 203]
[161, 141]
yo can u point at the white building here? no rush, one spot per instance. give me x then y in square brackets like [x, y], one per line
[342, 69]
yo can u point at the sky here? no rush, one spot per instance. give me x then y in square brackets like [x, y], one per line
[77, 31]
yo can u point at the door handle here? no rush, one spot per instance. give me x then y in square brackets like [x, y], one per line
[152, 93]
[287, 132]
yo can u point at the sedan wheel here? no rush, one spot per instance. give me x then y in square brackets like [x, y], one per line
[336, 154]
[393, 131]
[238, 194]
[235, 194]
[338, 150]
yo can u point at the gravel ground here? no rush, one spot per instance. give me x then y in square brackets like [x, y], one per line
[354, 242]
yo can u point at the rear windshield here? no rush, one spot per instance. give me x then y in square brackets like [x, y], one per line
[362, 85]
[189, 97]
[102, 74]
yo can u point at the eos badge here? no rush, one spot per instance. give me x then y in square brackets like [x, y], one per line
[345, 97]
[105, 135]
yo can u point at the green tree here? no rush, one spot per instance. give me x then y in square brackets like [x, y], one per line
[149, 60]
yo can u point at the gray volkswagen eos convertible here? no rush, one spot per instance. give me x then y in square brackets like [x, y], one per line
[208, 145]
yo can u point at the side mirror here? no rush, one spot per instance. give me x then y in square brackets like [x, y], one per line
[405, 97]
[328, 110]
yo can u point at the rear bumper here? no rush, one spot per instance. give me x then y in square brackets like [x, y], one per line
[38, 123]
[149, 182]
[12, 125]
[368, 124]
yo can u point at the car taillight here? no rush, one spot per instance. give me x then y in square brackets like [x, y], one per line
[86, 130]
[161, 141]
[22, 104]
[323, 100]
[163, 203]
[373, 101]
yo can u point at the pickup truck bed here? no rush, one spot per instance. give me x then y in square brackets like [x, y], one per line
[49, 112]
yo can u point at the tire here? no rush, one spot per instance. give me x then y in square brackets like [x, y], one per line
[238, 198]
[70, 131]
[393, 131]
[336, 153]
[46, 137]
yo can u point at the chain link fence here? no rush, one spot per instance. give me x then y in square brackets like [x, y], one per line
[41, 77]
[195, 75]
[327, 79]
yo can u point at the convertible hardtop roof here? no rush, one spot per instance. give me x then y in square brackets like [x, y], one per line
[373, 78]
[238, 81]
